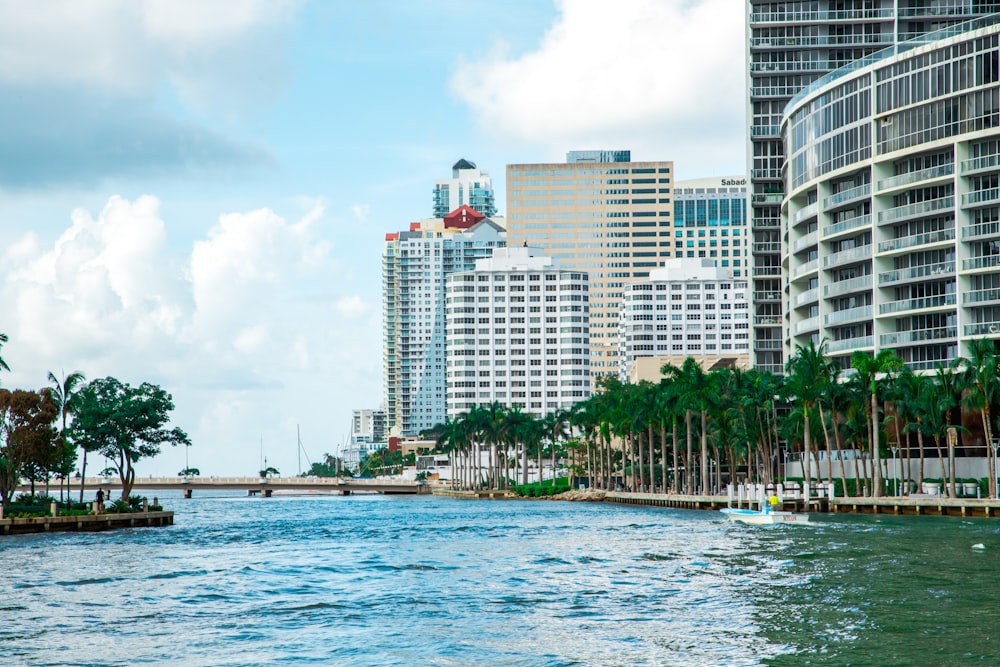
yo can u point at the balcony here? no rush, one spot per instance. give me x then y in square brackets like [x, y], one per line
[981, 297]
[766, 295]
[978, 164]
[985, 262]
[807, 297]
[763, 92]
[914, 240]
[805, 213]
[807, 325]
[917, 210]
[917, 336]
[805, 269]
[793, 66]
[981, 198]
[822, 16]
[766, 248]
[849, 344]
[982, 230]
[920, 176]
[767, 321]
[923, 303]
[767, 344]
[848, 315]
[766, 271]
[767, 198]
[850, 256]
[845, 226]
[765, 174]
[763, 223]
[805, 242]
[820, 40]
[932, 271]
[861, 283]
[768, 131]
[847, 196]
[981, 329]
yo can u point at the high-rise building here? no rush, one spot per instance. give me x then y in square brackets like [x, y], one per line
[415, 264]
[517, 334]
[687, 308]
[468, 186]
[367, 425]
[791, 45]
[893, 208]
[612, 219]
[710, 222]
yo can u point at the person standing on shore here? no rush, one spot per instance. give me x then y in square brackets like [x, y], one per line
[99, 500]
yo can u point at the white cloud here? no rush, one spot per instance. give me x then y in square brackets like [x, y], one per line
[361, 212]
[662, 78]
[241, 329]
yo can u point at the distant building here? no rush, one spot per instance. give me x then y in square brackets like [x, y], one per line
[601, 213]
[368, 426]
[415, 265]
[468, 186]
[688, 308]
[518, 334]
[710, 222]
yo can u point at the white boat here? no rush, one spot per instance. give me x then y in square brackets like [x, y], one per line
[758, 518]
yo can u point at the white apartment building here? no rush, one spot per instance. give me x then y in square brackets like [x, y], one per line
[601, 213]
[468, 186]
[367, 426]
[687, 308]
[415, 265]
[518, 334]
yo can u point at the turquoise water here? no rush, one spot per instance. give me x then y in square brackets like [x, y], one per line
[373, 580]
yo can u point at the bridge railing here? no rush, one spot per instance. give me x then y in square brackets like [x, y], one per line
[94, 482]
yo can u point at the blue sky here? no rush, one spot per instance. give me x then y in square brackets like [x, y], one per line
[195, 193]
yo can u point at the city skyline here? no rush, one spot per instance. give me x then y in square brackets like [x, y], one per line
[185, 207]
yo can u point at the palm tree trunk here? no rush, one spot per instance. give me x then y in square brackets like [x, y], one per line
[876, 454]
[677, 471]
[829, 448]
[663, 459]
[705, 481]
[688, 472]
[806, 463]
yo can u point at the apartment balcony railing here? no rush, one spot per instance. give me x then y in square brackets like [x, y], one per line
[981, 329]
[767, 198]
[821, 40]
[811, 324]
[807, 297]
[981, 198]
[822, 16]
[848, 315]
[909, 178]
[986, 262]
[983, 229]
[937, 10]
[916, 210]
[771, 131]
[765, 174]
[923, 303]
[767, 222]
[806, 241]
[766, 271]
[844, 344]
[981, 296]
[847, 225]
[767, 344]
[767, 321]
[766, 248]
[805, 213]
[905, 242]
[847, 286]
[932, 271]
[984, 163]
[805, 269]
[917, 336]
[766, 295]
[793, 66]
[773, 91]
[777, 369]
[847, 196]
[850, 256]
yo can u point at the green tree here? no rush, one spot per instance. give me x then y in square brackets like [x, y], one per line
[27, 437]
[124, 423]
[63, 393]
[809, 377]
[870, 371]
[3, 364]
[981, 379]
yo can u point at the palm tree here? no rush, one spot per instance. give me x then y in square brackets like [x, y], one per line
[512, 432]
[3, 364]
[980, 377]
[698, 391]
[809, 377]
[554, 426]
[63, 394]
[869, 369]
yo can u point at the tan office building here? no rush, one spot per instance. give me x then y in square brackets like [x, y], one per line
[601, 213]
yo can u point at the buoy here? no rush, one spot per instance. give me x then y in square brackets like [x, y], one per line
[979, 546]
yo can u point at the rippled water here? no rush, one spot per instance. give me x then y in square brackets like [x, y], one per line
[373, 580]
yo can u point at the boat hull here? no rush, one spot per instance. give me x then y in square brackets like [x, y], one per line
[756, 518]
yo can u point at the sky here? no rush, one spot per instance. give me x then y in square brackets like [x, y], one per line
[195, 193]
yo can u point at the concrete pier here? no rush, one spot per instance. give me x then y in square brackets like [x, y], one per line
[85, 523]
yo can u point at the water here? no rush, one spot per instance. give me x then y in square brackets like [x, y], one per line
[373, 580]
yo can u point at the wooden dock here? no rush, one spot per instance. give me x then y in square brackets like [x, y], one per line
[85, 523]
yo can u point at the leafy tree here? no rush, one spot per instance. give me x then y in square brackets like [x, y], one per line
[189, 472]
[270, 471]
[27, 436]
[125, 424]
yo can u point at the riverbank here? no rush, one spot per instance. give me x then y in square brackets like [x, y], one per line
[85, 523]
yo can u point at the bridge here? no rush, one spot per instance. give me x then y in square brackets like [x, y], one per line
[265, 486]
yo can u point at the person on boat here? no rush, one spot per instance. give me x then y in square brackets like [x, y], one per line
[774, 503]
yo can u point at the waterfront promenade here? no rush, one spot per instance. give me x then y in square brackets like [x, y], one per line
[264, 486]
